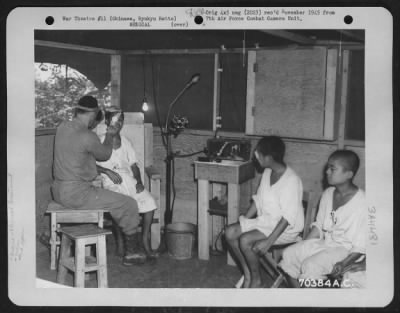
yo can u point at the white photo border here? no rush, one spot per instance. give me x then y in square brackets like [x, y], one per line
[21, 23]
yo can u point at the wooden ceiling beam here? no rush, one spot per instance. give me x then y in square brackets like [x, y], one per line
[351, 34]
[60, 45]
[289, 36]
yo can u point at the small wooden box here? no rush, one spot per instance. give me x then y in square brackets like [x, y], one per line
[234, 172]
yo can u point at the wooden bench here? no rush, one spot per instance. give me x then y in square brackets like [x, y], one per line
[60, 215]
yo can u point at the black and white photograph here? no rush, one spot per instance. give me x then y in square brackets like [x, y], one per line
[202, 152]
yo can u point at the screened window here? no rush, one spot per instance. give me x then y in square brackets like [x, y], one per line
[58, 88]
[233, 91]
[160, 78]
[355, 115]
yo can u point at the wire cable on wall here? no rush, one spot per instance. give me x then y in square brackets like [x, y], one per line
[189, 155]
[173, 187]
[156, 103]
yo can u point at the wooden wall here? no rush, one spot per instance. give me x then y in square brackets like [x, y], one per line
[43, 174]
[306, 158]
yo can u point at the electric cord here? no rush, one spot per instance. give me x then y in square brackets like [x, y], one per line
[173, 174]
[156, 103]
[216, 132]
[189, 155]
[215, 250]
[173, 186]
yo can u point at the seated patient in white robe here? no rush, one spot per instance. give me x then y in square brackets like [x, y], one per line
[338, 237]
[275, 216]
[121, 174]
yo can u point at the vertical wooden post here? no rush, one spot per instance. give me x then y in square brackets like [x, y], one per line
[101, 249]
[233, 209]
[159, 214]
[148, 152]
[53, 240]
[203, 198]
[155, 191]
[148, 144]
[65, 252]
[116, 80]
[343, 99]
[330, 91]
[216, 223]
[79, 263]
[216, 97]
[246, 192]
[100, 222]
[250, 98]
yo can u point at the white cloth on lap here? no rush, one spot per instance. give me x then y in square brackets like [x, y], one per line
[312, 259]
[341, 233]
[120, 162]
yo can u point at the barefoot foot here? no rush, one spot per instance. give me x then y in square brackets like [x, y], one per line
[246, 282]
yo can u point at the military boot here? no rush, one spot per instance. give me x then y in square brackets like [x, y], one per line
[133, 252]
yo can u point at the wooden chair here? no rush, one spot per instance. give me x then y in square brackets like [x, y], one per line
[358, 266]
[271, 259]
[155, 231]
[140, 135]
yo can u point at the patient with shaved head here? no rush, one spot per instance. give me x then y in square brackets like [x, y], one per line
[337, 240]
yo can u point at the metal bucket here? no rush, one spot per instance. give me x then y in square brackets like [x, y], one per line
[180, 240]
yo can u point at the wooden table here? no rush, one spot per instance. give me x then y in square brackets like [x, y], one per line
[234, 173]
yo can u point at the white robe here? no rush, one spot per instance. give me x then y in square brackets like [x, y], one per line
[347, 226]
[341, 233]
[282, 199]
[120, 162]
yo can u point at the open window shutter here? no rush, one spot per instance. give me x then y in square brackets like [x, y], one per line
[288, 94]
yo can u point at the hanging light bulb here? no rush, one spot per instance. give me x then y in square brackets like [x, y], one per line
[145, 105]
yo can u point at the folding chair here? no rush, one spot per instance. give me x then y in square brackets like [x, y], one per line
[270, 260]
[346, 281]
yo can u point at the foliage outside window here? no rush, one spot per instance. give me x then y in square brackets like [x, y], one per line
[58, 88]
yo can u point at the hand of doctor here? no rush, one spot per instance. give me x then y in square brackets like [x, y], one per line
[115, 177]
[114, 129]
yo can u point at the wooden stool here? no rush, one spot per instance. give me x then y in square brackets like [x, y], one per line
[83, 235]
[60, 214]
